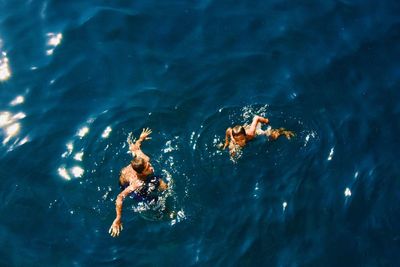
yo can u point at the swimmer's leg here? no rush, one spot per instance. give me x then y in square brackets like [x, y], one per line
[259, 131]
[255, 124]
[266, 132]
[276, 133]
[288, 134]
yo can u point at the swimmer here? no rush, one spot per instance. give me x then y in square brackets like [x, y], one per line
[138, 178]
[237, 137]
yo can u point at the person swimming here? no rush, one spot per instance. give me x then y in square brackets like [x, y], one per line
[237, 137]
[137, 178]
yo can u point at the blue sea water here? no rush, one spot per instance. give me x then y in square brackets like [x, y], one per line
[78, 76]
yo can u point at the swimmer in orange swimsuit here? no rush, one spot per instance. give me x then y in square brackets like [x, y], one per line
[237, 137]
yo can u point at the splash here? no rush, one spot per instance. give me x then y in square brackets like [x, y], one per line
[169, 146]
[218, 143]
[158, 209]
[248, 112]
[194, 138]
[238, 154]
[177, 217]
[308, 137]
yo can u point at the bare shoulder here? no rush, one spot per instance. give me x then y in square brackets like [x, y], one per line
[127, 173]
[249, 134]
[133, 147]
[125, 169]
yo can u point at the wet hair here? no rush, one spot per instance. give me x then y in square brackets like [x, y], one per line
[238, 130]
[138, 164]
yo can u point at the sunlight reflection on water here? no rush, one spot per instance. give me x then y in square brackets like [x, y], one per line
[54, 39]
[5, 72]
[10, 126]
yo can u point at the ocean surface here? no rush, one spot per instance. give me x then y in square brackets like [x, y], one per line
[76, 77]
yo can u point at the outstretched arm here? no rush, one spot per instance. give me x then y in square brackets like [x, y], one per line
[253, 127]
[143, 136]
[228, 135]
[116, 226]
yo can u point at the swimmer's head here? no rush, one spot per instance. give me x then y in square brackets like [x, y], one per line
[138, 164]
[239, 135]
[142, 166]
[238, 130]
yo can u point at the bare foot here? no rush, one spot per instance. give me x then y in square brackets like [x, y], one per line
[288, 134]
[274, 134]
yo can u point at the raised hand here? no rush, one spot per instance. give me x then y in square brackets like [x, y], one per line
[145, 134]
[115, 228]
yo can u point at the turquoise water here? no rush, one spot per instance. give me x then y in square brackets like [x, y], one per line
[78, 77]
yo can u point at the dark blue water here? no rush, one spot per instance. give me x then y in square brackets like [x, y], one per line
[79, 76]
